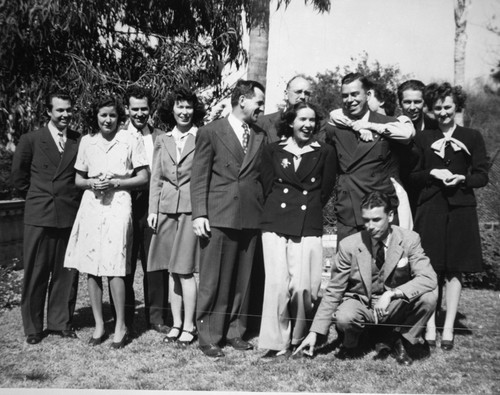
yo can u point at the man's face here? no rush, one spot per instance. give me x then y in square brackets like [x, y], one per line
[61, 113]
[377, 222]
[299, 90]
[252, 107]
[412, 104]
[138, 112]
[354, 99]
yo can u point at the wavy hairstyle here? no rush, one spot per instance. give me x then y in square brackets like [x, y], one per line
[284, 128]
[435, 92]
[166, 108]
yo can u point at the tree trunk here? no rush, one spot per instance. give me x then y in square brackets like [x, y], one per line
[259, 45]
[461, 11]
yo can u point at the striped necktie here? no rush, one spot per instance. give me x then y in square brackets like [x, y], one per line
[60, 142]
[246, 137]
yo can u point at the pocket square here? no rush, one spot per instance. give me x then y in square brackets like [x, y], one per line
[402, 262]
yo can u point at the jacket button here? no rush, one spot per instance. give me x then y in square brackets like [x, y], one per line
[304, 192]
[303, 207]
[280, 180]
[313, 179]
[285, 190]
[283, 205]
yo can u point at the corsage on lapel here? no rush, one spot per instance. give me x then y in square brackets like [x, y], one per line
[285, 163]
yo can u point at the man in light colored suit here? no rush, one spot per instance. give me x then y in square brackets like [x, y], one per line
[227, 199]
[43, 170]
[298, 89]
[380, 276]
[363, 166]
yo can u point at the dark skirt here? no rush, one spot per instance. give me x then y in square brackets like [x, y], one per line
[450, 235]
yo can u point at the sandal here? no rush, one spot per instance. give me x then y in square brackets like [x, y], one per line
[172, 339]
[194, 336]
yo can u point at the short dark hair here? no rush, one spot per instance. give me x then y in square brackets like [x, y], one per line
[435, 92]
[245, 88]
[165, 110]
[139, 92]
[284, 128]
[106, 101]
[351, 77]
[386, 96]
[377, 199]
[414, 85]
[60, 94]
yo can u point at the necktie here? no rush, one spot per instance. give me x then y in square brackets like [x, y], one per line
[380, 256]
[60, 143]
[246, 137]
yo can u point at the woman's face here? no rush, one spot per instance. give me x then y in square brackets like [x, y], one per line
[183, 113]
[107, 119]
[444, 111]
[303, 125]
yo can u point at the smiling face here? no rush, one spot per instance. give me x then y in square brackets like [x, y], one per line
[412, 104]
[252, 107]
[138, 112]
[303, 126]
[377, 222]
[107, 120]
[183, 111]
[61, 113]
[354, 99]
[444, 111]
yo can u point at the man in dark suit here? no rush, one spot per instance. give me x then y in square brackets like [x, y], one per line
[364, 165]
[227, 198]
[380, 276]
[43, 171]
[298, 89]
[411, 100]
[138, 101]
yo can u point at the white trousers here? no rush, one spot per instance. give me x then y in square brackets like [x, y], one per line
[293, 267]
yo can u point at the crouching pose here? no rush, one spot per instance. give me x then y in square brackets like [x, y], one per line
[380, 276]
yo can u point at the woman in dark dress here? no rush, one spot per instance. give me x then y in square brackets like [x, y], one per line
[452, 162]
[298, 175]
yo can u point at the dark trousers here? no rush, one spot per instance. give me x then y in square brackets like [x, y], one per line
[158, 296]
[409, 317]
[44, 250]
[223, 296]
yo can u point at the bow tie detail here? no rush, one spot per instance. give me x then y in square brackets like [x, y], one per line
[440, 145]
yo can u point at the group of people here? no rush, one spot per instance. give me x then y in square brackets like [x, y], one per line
[210, 200]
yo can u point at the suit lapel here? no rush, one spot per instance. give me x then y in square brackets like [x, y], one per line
[364, 258]
[70, 151]
[394, 254]
[286, 163]
[188, 147]
[308, 163]
[253, 147]
[228, 138]
[49, 146]
[169, 143]
[364, 147]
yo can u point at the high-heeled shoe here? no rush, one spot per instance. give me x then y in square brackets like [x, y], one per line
[170, 338]
[447, 345]
[97, 341]
[122, 343]
[194, 336]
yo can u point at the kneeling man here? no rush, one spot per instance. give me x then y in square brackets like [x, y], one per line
[381, 276]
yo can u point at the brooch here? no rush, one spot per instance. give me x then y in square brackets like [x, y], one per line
[285, 163]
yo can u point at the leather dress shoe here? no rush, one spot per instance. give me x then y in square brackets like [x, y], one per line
[400, 353]
[276, 355]
[431, 343]
[239, 344]
[34, 338]
[348, 353]
[447, 345]
[161, 328]
[211, 350]
[382, 354]
[66, 333]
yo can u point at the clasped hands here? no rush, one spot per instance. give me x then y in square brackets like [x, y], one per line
[102, 183]
[447, 177]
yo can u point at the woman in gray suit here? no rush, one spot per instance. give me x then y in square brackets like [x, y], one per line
[174, 246]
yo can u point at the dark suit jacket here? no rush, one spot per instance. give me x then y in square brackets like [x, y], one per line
[295, 199]
[270, 123]
[363, 167]
[225, 184]
[474, 167]
[47, 179]
[406, 267]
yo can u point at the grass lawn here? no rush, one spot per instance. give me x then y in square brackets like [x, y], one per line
[473, 367]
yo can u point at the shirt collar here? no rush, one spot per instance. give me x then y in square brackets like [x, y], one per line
[145, 131]
[176, 131]
[291, 146]
[54, 131]
[385, 241]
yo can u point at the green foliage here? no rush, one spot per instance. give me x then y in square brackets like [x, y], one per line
[86, 45]
[327, 87]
